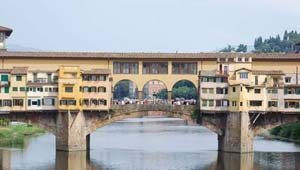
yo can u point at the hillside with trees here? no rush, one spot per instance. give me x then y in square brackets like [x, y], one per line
[273, 44]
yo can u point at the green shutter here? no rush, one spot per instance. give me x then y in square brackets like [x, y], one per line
[53, 102]
[297, 90]
[39, 102]
[6, 89]
[285, 91]
[4, 77]
[29, 102]
[297, 105]
[269, 104]
[276, 104]
[286, 104]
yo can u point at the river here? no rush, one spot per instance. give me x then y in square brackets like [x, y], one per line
[150, 144]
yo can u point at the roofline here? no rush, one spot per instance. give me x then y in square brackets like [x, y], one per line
[131, 56]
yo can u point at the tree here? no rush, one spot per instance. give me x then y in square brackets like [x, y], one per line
[228, 49]
[242, 48]
[276, 44]
[162, 94]
[184, 92]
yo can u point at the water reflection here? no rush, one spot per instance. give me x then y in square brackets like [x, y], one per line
[150, 144]
[5, 159]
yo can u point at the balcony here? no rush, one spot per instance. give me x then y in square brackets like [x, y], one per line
[4, 83]
[68, 81]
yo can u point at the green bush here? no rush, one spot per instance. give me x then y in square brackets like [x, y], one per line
[290, 131]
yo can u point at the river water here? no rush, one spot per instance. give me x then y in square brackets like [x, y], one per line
[151, 144]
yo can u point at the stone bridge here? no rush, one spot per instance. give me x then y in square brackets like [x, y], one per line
[72, 128]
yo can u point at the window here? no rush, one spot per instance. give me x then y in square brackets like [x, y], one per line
[49, 80]
[68, 102]
[204, 103]
[15, 88]
[184, 68]
[273, 103]
[86, 102]
[85, 89]
[226, 70]
[126, 68]
[102, 102]
[257, 91]
[219, 90]
[102, 89]
[218, 103]
[18, 102]
[69, 89]
[18, 78]
[233, 103]
[22, 89]
[49, 102]
[211, 91]
[4, 77]
[233, 89]
[293, 90]
[272, 91]
[93, 89]
[255, 103]
[94, 102]
[288, 79]
[291, 104]
[210, 103]
[243, 75]
[256, 80]
[204, 90]
[6, 89]
[6, 103]
[155, 68]
[102, 78]
[241, 103]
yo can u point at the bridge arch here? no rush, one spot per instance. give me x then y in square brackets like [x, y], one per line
[191, 90]
[125, 88]
[121, 112]
[157, 87]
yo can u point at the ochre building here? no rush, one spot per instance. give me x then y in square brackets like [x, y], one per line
[85, 81]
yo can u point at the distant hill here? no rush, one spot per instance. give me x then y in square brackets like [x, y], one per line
[16, 47]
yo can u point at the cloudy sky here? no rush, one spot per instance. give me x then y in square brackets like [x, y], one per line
[145, 25]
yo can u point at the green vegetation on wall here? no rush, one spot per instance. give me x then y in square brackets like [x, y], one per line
[289, 131]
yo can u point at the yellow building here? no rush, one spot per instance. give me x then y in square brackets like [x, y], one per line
[5, 99]
[96, 89]
[17, 89]
[69, 83]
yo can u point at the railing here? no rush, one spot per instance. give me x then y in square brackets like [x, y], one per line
[4, 83]
[154, 107]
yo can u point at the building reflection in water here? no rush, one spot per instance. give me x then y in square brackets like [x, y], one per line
[72, 160]
[5, 159]
[256, 161]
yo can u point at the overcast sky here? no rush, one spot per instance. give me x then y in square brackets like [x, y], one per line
[145, 25]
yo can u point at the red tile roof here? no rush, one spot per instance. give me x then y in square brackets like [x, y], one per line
[19, 70]
[193, 56]
[7, 31]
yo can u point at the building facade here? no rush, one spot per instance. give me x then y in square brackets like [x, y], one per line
[243, 89]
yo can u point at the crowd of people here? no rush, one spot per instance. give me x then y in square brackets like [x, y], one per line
[176, 101]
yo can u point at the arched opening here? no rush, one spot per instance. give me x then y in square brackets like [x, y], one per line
[184, 92]
[125, 91]
[155, 91]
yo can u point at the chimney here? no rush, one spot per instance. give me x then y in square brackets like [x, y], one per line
[4, 34]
